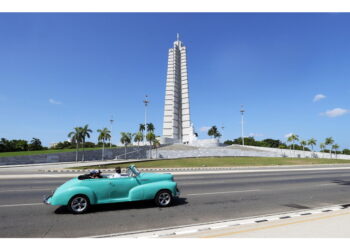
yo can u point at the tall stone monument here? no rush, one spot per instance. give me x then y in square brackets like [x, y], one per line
[177, 126]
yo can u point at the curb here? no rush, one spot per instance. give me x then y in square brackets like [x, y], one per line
[195, 228]
[179, 169]
[141, 169]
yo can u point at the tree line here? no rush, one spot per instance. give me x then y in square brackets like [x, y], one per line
[127, 137]
[327, 146]
[20, 145]
[79, 134]
[77, 140]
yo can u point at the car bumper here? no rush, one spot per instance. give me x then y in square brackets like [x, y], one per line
[47, 199]
[177, 193]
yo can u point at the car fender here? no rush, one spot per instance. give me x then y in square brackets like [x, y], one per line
[150, 190]
[62, 198]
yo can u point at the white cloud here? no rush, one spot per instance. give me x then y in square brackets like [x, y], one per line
[288, 135]
[52, 101]
[336, 112]
[204, 129]
[319, 97]
[255, 135]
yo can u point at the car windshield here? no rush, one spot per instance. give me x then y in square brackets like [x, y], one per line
[136, 171]
[132, 171]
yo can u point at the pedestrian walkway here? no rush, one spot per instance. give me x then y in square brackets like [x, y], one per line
[333, 224]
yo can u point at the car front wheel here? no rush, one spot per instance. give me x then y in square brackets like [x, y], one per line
[79, 204]
[163, 198]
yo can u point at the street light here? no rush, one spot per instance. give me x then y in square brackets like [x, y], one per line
[242, 113]
[146, 101]
[110, 141]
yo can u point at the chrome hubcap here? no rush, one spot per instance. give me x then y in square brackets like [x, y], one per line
[164, 199]
[79, 204]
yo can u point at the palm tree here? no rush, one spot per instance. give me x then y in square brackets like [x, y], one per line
[217, 134]
[303, 143]
[213, 131]
[85, 132]
[335, 147]
[104, 135]
[322, 146]
[125, 139]
[292, 138]
[311, 142]
[156, 145]
[329, 141]
[150, 127]
[76, 138]
[142, 127]
[150, 138]
[138, 138]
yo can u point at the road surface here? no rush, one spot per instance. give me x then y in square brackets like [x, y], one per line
[204, 198]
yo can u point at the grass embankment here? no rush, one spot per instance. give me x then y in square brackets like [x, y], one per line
[221, 162]
[41, 152]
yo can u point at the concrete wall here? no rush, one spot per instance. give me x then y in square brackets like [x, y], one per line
[91, 155]
[240, 151]
[300, 153]
[208, 152]
[167, 152]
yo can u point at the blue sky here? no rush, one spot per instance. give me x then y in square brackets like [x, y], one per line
[61, 70]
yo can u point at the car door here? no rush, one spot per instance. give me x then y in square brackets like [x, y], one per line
[120, 187]
[100, 187]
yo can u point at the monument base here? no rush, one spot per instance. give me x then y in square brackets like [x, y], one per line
[196, 142]
[205, 143]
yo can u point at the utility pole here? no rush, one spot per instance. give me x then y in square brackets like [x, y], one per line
[110, 141]
[242, 114]
[146, 101]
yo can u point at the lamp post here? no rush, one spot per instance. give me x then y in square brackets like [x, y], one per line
[146, 101]
[110, 141]
[242, 114]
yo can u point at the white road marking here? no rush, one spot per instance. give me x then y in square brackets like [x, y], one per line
[186, 232]
[21, 205]
[24, 190]
[219, 227]
[328, 184]
[237, 191]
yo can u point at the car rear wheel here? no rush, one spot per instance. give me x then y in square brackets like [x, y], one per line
[79, 204]
[163, 198]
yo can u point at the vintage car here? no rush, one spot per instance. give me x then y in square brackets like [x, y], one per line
[79, 193]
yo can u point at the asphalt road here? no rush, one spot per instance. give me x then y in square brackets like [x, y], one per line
[204, 198]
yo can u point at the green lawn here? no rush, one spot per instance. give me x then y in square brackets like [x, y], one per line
[222, 162]
[40, 152]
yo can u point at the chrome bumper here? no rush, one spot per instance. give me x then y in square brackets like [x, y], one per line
[46, 199]
[177, 194]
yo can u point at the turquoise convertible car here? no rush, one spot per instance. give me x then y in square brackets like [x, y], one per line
[79, 193]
